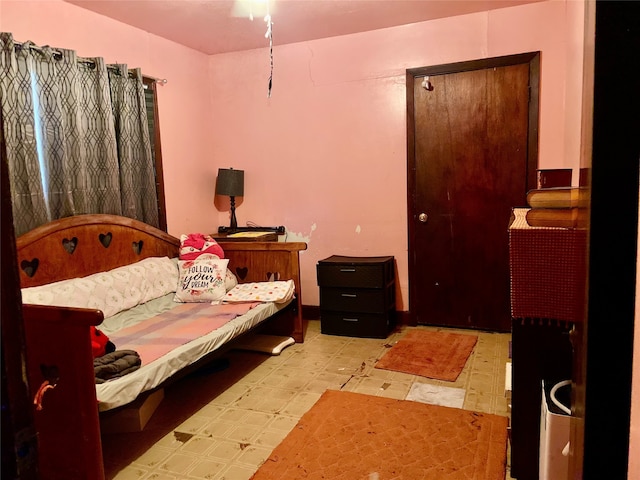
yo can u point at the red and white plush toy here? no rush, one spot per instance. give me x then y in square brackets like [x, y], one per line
[100, 343]
[196, 244]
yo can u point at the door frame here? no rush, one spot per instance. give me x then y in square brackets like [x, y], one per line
[606, 387]
[533, 59]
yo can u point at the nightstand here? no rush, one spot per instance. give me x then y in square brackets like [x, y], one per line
[357, 296]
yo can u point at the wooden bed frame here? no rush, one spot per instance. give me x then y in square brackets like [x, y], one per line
[57, 349]
[86, 244]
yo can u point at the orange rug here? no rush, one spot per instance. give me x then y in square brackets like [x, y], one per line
[438, 355]
[351, 436]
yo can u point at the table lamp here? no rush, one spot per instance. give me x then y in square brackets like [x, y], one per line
[231, 182]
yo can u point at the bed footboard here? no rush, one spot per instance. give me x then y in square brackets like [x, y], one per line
[61, 384]
[270, 261]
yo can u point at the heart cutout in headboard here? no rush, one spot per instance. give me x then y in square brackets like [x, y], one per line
[137, 247]
[273, 277]
[30, 267]
[242, 272]
[70, 245]
[105, 239]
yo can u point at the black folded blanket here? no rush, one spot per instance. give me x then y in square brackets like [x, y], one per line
[115, 364]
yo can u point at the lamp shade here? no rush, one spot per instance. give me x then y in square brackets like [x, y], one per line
[230, 182]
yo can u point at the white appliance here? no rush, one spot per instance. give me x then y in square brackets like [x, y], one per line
[554, 437]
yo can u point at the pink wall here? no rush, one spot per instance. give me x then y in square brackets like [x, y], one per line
[326, 154]
[185, 113]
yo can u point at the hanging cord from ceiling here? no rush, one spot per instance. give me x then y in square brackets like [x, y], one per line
[269, 35]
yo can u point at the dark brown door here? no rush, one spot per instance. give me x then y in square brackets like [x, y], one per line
[469, 165]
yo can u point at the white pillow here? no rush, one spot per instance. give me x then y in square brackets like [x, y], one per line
[112, 291]
[201, 280]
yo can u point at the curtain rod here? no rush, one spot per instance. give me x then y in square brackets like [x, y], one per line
[88, 61]
[162, 81]
[36, 48]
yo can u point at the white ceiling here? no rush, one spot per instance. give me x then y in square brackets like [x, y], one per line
[219, 26]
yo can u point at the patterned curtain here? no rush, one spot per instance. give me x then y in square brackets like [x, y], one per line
[76, 134]
[139, 197]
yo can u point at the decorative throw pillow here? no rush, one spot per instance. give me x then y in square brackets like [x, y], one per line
[230, 281]
[201, 280]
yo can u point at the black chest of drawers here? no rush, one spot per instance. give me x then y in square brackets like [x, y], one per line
[357, 296]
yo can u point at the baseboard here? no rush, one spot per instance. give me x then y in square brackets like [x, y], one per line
[404, 318]
[311, 312]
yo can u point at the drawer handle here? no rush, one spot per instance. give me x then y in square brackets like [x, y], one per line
[350, 295]
[347, 269]
[350, 319]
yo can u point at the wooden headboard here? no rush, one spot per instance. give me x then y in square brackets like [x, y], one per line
[86, 244]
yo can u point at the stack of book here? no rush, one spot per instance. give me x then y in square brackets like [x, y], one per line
[558, 207]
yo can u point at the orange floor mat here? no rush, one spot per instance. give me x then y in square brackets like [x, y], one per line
[350, 436]
[438, 355]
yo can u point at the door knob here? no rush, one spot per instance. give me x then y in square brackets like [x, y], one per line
[423, 217]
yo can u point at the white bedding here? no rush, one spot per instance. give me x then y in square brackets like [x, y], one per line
[123, 295]
[120, 391]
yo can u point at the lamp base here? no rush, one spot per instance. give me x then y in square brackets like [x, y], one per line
[234, 223]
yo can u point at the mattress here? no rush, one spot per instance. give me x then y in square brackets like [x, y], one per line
[121, 391]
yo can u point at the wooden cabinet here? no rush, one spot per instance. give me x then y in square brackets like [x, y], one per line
[547, 272]
[357, 296]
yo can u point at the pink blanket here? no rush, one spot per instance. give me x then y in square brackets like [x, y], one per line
[158, 335]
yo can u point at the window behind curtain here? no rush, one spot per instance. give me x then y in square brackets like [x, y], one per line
[151, 100]
[77, 136]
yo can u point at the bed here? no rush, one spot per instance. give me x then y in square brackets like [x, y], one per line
[60, 370]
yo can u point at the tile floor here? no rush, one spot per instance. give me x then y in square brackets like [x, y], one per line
[222, 422]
